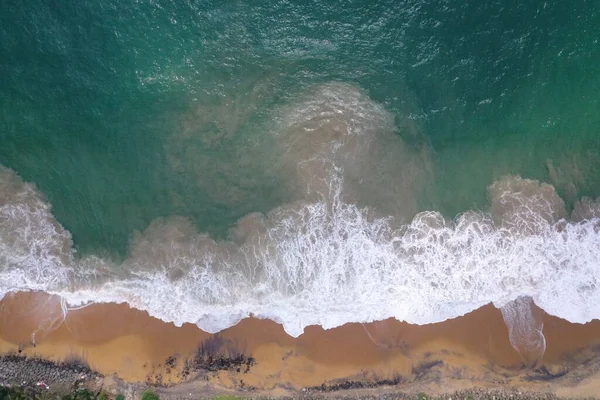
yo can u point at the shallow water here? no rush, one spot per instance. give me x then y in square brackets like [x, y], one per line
[311, 163]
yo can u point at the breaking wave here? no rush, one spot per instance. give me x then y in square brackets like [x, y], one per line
[328, 259]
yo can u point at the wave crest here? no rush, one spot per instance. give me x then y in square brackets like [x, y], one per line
[327, 258]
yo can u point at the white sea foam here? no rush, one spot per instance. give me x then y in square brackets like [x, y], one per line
[35, 249]
[525, 329]
[325, 263]
[326, 260]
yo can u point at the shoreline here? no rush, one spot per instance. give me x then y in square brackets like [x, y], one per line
[258, 357]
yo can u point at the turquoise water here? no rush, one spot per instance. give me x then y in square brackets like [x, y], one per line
[92, 93]
[124, 112]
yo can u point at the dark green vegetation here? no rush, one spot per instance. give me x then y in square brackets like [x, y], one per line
[149, 395]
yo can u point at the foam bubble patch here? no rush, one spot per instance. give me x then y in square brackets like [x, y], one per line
[329, 263]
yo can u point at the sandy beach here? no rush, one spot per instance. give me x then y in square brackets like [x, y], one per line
[469, 351]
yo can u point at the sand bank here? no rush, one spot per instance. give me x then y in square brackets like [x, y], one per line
[468, 351]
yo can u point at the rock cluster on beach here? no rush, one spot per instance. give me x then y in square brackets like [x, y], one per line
[23, 371]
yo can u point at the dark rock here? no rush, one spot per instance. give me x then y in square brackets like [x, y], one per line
[22, 369]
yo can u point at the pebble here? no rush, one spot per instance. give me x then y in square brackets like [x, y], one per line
[25, 370]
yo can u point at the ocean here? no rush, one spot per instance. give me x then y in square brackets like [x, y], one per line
[310, 162]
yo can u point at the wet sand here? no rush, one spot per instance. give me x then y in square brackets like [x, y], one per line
[469, 351]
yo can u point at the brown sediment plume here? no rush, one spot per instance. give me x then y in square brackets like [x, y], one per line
[115, 339]
[337, 127]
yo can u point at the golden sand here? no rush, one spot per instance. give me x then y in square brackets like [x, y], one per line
[468, 351]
